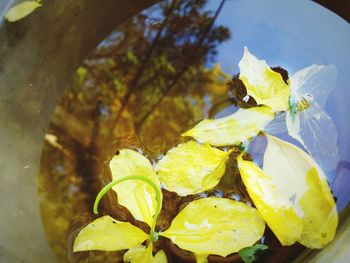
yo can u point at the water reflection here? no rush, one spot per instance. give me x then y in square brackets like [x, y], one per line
[153, 78]
[141, 88]
[294, 34]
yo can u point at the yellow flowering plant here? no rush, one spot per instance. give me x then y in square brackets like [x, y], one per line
[290, 192]
[213, 225]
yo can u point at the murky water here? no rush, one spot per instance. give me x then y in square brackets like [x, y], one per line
[156, 76]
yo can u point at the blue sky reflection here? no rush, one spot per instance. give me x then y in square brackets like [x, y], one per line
[294, 34]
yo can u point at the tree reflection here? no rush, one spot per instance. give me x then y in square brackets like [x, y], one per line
[141, 88]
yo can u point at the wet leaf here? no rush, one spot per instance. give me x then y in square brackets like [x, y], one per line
[248, 254]
[108, 234]
[314, 82]
[276, 209]
[141, 254]
[216, 226]
[320, 218]
[191, 168]
[266, 86]
[21, 10]
[136, 195]
[298, 177]
[311, 125]
[277, 125]
[160, 257]
[230, 130]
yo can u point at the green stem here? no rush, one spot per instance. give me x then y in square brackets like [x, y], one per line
[292, 107]
[243, 146]
[106, 188]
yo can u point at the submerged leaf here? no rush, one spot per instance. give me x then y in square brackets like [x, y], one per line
[21, 10]
[216, 226]
[274, 207]
[136, 195]
[238, 127]
[266, 86]
[248, 254]
[108, 234]
[192, 168]
[298, 177]
[141, 254]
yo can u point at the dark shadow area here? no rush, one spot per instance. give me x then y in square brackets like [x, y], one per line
[340, 7]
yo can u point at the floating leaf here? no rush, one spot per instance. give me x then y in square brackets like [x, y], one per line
[277, 125]
[192, 168]
[266, 86]
[292, 194]
[248, 254]
[314, 82]
[320, 217]
[311, 125]
[108, 234]
[230, 130]
[136, 195]
[21, 10]
[217, 226]
[141, 254]
[274, 207]
[297, 176]
[316, 131]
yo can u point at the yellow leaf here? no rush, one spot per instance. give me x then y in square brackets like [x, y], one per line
[108, 234]
[141, 254]
[266, 86]
[192, 168]
[160, 257]
[136, 195]
[276, 209]
[320, 214]
[217, 226]
[235, 128]
[21, 10]
[298, 177]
